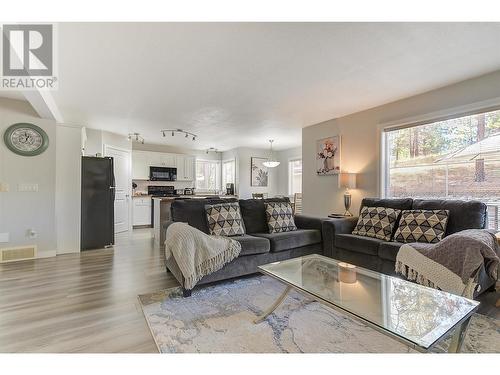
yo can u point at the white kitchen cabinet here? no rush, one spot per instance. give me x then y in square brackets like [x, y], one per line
[141, 211]
[160, 159]
[142, 160]
[140, 165]
[185, 168]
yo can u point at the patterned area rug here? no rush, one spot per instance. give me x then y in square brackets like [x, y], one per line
[219, 319]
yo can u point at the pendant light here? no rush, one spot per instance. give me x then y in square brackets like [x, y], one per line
[271, 162]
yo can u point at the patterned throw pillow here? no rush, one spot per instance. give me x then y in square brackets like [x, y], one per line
[422, 226]
[376, 222]
[224, 219]
[280, 217]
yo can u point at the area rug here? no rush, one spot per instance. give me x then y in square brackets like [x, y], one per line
[219, 319]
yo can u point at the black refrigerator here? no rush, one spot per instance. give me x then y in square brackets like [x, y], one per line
[98, 203]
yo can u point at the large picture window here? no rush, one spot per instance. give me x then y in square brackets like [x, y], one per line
[457, 158]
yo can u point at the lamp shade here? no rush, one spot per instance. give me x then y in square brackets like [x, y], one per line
[347, 180]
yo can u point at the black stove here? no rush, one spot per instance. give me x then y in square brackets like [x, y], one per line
[162, 191]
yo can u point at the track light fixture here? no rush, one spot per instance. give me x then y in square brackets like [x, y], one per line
[211, 149]
[135, 137]
[180, 131]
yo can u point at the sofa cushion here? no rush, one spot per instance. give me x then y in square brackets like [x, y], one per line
[397, 204]
[192, 211]
[224, 219]
[290, 240]
[251, 245]
[359, 244]
[463, 215]
[279, 217]
[376, 222]
[421, 226]
[253, 212]
[389, 250]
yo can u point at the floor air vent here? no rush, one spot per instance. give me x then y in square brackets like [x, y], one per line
[17, 253]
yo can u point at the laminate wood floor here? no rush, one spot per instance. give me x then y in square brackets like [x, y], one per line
[82, 302]
[88, 302]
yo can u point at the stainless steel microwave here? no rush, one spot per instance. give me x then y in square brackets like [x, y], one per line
[162, 174]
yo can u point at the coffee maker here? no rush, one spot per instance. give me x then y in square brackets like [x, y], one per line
[230, 189]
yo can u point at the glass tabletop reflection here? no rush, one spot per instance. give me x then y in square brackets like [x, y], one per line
[411, 311]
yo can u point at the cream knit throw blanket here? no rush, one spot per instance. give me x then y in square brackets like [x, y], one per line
[197, 254]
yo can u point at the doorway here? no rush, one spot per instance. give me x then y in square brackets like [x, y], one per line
[122, 172]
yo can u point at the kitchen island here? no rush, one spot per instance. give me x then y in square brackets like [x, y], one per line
[162, 212]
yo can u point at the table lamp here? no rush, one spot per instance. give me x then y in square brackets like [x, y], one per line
[347, 181]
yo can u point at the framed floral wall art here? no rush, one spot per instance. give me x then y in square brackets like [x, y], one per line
[259, 173]
[328, 156]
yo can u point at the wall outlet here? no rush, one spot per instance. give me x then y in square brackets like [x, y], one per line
[28, 188]
[4, 237]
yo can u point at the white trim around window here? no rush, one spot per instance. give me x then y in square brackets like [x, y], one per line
[452, 112]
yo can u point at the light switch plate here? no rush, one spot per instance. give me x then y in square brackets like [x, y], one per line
[28, 188]
[4, 237]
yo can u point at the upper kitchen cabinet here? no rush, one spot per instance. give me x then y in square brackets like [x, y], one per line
[142, 160]
[160, 159]
[185, 168]
[140, 165]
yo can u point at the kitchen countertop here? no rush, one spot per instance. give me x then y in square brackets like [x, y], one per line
[194, 197]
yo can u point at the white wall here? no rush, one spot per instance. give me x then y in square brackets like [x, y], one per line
[20, 211]
[278, 177]
[361, 138]
[68, 188]
[96, 139]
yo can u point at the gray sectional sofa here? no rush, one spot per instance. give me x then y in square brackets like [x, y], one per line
[379, 255]
[258, 246]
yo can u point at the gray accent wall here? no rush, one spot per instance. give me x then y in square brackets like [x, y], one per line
[21, 211]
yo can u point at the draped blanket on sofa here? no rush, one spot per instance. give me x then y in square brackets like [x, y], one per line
[453, 264]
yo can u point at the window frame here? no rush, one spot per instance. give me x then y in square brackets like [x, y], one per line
[289, 166]
[218, 175]
[223, 182]
[425, 119]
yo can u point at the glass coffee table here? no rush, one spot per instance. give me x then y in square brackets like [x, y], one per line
[413, 314]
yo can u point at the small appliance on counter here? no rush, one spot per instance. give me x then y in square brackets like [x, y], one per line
[230, 189]
[189, 191]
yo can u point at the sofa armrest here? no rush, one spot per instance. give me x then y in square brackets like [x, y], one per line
[332, 227]
[166, 224]
[308, 222]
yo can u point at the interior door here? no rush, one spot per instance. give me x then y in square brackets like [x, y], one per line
[123, 186]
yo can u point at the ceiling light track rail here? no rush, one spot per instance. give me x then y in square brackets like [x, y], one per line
[181, 132]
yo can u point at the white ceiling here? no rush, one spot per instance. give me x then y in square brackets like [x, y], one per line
[240, 84]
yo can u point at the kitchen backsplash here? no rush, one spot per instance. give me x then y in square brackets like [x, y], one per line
[142, 186]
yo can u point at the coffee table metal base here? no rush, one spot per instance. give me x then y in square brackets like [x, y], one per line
[273, 306]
